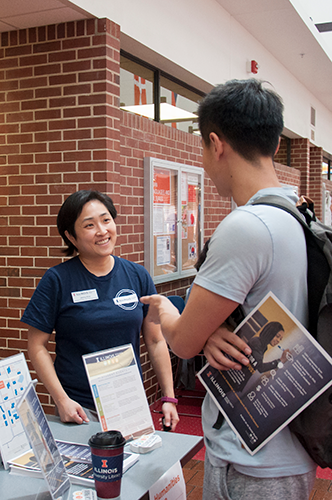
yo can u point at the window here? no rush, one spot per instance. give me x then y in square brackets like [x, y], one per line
[149, 92]
[326, 168]
[173, 208]
[136, 83]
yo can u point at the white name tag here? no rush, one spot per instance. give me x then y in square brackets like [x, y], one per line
[125, 299]
[84, 295]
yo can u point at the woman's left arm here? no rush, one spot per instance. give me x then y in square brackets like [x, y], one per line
[161, 363]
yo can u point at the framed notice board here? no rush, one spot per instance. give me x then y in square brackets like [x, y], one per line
[173, 218]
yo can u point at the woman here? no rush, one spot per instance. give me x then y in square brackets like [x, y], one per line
[79, 299]
[272, 333]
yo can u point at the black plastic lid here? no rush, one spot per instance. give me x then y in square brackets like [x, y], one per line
[108, 439]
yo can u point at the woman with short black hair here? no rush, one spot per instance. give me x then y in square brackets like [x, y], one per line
[79, 300]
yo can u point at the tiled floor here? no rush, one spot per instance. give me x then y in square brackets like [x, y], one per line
[193, 474]
[194, 470]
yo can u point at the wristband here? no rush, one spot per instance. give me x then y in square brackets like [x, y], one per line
[166, 399]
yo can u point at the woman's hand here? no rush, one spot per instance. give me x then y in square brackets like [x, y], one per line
[70, 411]
[171, 417]
[222, 342]
[285, 356]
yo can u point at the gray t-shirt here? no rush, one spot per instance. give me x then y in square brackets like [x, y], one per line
[255, 250]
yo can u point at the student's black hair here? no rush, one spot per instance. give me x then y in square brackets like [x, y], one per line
[245, 114]
[71, 210]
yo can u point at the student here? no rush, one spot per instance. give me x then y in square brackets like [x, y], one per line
[77, 300]
[254, 250]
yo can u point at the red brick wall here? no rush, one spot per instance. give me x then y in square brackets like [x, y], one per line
[315, 179]
[281, 156]
[300, 159]
[142, 138]
[59, 122]
[61, 130]
[288, 175]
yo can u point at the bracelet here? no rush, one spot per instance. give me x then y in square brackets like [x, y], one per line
[166, 399]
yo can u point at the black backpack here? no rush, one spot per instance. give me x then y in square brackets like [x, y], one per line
[313, 426]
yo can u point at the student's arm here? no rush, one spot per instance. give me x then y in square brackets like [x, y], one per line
[161, 363]
[69, 410]
[188, 333]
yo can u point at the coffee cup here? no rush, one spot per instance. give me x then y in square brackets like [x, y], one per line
[107, 461]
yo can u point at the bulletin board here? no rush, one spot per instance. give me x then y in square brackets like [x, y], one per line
[173, 211]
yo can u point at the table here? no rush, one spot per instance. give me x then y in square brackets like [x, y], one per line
[135, 482]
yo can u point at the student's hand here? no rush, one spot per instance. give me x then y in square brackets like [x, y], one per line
[222, 342]
[159, 306]
[171, 417]
[70, 411]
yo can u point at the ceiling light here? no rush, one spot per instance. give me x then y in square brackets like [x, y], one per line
[168, 113]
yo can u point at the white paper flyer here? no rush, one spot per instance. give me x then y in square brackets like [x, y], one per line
[118, 391]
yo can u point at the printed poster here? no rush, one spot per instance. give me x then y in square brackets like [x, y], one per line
[162, 186]
[163, 250]
[288, 370]
[14, 379]
[118, 391]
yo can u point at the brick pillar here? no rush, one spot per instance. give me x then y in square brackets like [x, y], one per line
[59, 132]
[300, 159]
[281, 155]
[315, 179]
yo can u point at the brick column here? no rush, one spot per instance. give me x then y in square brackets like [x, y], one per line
[315, 179]
[59, 132]
[281, 155]
[300, 159]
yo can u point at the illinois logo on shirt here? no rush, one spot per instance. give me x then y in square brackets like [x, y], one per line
[126, 299]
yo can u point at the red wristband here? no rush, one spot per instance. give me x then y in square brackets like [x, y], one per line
[166, 399]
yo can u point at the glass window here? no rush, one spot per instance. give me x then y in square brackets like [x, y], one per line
[141, 85]
[185, 100]
[136, 84]
[326, 168]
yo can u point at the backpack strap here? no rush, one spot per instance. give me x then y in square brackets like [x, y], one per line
[318, 271]
[300, 212]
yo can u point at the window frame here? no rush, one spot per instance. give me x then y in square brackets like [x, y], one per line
[158, 73]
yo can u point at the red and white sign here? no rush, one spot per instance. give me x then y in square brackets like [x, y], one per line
[162, 186]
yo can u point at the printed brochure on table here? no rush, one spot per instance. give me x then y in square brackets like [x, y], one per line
[118, 391]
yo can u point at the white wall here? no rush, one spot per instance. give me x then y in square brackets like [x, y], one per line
[202, 39]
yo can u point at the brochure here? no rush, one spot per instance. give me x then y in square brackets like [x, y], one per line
[14, 379]
[118, 391]
[288, 370]
[43, 444]
[76, 458]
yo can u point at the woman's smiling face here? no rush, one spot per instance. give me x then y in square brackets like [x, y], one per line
[277, 338]
[95, 231]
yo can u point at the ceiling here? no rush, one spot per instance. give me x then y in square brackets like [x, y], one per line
[291, 38]
[276, 24]
[19, 14]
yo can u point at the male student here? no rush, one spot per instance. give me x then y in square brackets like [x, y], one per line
[254, 250]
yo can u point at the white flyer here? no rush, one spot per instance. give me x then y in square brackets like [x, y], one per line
[171, 485]
[118, 391]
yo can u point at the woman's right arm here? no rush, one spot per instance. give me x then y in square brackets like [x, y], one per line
[69, 410]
